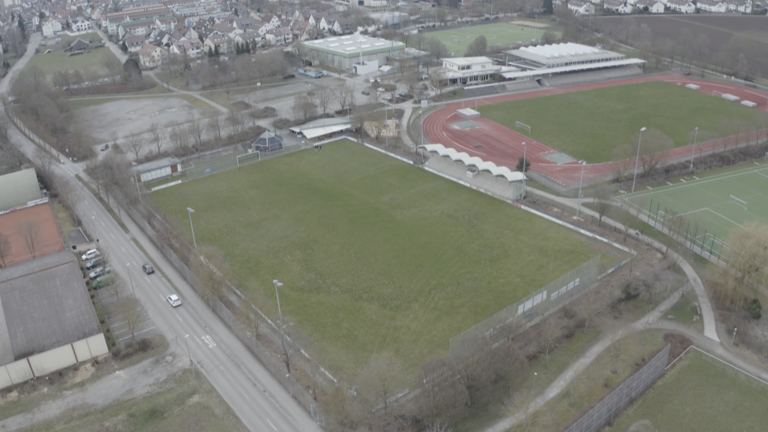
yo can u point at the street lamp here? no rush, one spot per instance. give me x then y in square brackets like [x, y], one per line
[533, 389]
[734, 335]
[190, 210]
[583, 164]
[186, 339]
[525, 150]
[693, 152]
[130, 278]
[278, 284]
[638, 157]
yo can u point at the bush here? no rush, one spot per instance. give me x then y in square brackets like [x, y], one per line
[755, 309]
[629, 291]
[144, 345]
[116, 352]
[281, 123]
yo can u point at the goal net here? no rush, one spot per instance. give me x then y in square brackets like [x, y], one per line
[739, 202]
[247, 158]
[525, 127]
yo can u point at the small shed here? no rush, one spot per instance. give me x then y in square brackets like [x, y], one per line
[157, 168]
[268, 142]
[468, 113]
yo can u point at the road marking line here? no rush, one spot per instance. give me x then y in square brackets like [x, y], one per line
[270, 423]
[211, 339]
[113, 236]
[246, 396]
[177, 316]
[198, 340]
[146, 278]
[122, 248]
[102, 224]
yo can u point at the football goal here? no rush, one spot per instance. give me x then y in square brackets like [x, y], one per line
[248, 157]
[523, 126]
[739, 202]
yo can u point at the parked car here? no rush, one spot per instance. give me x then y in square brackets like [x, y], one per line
[402, 95]
[104, 147]
[90, 254]
[387, 97]
[94, 263]
[103, 281]
[148, 269]
[174, 300]
[366, 92]
[381, 89]
[99, 271]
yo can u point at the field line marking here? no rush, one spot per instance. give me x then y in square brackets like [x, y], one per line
[270, 423]
[725, 362]
[737, 224]
[704, 180]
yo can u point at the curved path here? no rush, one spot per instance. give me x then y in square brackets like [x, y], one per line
[503, 146]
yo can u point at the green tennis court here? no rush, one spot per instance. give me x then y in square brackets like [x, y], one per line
[709, 207]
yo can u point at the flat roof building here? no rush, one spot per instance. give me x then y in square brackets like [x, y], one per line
[19, 188]
[47, 319]
[157, 168]
[341, 52]
[559, 55]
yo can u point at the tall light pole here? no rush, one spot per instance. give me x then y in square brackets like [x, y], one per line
[525, 149]
[130, 278]
[190, 210]
[639, 140]
[278, 284]
[693, 152]
[583, 164]
[533, 389]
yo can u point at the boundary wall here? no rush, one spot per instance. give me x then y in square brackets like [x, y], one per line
[616, 401]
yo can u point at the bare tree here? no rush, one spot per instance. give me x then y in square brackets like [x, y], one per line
[29, 230]
[529, 419]
[323, 99]
[211, 273]
[602, 197]
[112, 64]
[345, 95]
[135, 144]
[379, 379]
[440, 394]
[472, 357]
[550, 332]
[619, 348]
[133, 314]
[5, 249]
[45, 162]
[197, 129]
[158, 136]
[236, 122]
[748, 255]
[508, 366]
[623, 161]
[214, 127]
[590, 305]
[438, 79]
[342, 407]
[303, 107]
[654, 149]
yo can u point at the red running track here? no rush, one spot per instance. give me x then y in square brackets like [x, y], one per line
[503, 146]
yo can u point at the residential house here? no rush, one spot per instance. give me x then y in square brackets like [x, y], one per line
[151, 56]
[271, 20]
[315, 18]
[741, 6]
[165, 24]
[326, 23]
[181, 30]
[682, 6]
[138, 28]
[162, 38]
[652, 6]
[712, 6]
[133, 42]
[344, 25]
[253, 38]
[300, 30]
[280, 36]
[618, 6]
[581, 7]
[192, 47]
[51, 27]
[244, 23]
[78, 45]
[222, 41]
[80, 24]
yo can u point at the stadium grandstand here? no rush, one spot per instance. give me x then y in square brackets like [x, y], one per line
[571, 63]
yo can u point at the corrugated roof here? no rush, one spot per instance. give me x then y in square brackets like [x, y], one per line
[574, 68]
[18, 188]
[156, 164]
[44, 304]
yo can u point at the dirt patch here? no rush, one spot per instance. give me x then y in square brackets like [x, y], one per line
[644, 425]
[135, 115]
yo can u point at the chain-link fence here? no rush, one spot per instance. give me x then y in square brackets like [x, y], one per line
[415, 123]
[539, 303]
[612, 405]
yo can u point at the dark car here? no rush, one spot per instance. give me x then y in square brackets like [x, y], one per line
[104, 147]
[148, 269]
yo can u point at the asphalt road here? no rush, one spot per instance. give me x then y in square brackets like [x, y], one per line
[257, 398]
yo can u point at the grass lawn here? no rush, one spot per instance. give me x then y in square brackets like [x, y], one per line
[186, 404]
[375, 255]
[457, 40]
[590, 124]
[59, 61]
[701, 394]
[598, 379]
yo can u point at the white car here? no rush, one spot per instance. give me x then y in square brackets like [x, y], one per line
[90, 254]
[174, 300]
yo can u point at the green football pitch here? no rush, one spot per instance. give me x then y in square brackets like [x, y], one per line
[700, 394]
[713, 205]
[505, 34]
[590, 124]
[375, 254]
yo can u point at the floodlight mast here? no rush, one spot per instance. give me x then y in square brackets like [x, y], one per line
[639, 140]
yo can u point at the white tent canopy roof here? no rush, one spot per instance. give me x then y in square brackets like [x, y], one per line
[475, 161]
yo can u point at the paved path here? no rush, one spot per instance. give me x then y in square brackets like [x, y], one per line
[191, 93]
